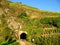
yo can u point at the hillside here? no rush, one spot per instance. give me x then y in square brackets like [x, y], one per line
[42, 26]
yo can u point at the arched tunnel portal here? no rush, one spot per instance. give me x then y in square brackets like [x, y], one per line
[23, 36]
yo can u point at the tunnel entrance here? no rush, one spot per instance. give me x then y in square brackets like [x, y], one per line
[23, 36]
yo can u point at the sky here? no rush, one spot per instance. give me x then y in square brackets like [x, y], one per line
[48, 5]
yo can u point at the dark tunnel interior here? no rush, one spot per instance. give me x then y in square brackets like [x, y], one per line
[23, 36]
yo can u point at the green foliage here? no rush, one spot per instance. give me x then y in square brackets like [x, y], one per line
[46, 20]
[23, 16]
[57, 22]
[9, 41]
[9, 31]
[51, 21]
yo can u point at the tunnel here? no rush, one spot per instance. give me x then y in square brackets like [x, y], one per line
[23, 36]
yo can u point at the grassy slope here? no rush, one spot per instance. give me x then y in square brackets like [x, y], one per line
[34, 23]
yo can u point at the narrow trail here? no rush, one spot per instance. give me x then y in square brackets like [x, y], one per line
[24, 42]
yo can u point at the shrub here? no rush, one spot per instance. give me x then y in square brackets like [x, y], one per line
[51, 21]
[23, 16]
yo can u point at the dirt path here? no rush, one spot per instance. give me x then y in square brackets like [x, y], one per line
[24, 42]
